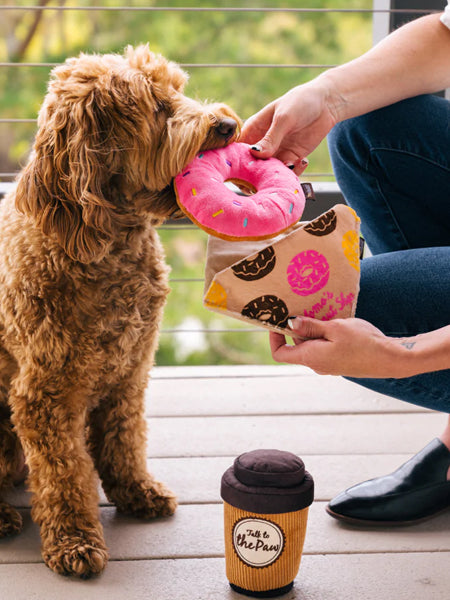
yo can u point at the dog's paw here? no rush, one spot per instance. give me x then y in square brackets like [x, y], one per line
[76, 555]
[10, 520]
[146, 500]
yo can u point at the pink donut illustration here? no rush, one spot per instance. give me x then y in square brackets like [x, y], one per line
[308, 272]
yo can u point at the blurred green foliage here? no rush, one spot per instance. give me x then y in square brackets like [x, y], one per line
[192, 38]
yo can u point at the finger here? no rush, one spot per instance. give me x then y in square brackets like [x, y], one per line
[287, 354]
[276, 340]
[249, 133]
[256, 126]
[309, 328]
[300, 166]
[288, 157]
[283, 352]
[292, 161]
[268, 145]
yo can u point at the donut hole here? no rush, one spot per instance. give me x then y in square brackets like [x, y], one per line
[241, 187]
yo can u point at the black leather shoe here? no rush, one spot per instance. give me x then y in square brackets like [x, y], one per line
[416, 491]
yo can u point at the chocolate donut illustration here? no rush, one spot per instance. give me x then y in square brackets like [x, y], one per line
[256, 268]
[268, 309]
[323, 225]
[308, 272]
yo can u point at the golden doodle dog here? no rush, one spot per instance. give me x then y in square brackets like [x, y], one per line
[83, 283]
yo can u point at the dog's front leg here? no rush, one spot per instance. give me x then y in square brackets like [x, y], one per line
[117, 439]
[50, 422]
[11, 465]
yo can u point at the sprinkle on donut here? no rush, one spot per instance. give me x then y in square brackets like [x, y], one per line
[276, 204]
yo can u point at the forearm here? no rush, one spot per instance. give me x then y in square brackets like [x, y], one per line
[355, 348]
[413, 60]
[424, 353]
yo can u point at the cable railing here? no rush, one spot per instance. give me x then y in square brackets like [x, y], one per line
[242, 9]
[62, 8]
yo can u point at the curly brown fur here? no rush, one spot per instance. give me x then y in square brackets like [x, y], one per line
[83, 283]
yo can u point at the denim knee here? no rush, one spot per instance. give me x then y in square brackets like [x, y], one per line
[393, 168]
[350, 141]
[402, 125]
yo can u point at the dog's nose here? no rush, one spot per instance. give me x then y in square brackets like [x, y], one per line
[226, 127]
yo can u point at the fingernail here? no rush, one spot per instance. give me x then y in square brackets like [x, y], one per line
[305, 161]
[256, 148]
[293, 322]
[290, 165]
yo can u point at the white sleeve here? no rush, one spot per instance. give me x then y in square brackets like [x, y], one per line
[446, 16]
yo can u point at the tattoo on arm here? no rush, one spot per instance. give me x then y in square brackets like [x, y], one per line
[408, 345]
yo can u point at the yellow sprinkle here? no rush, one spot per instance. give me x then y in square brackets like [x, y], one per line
[296, 192]
[194, 192]
[218, 212]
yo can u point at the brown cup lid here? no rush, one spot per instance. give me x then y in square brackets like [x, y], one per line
[271, 468]
[268, 481]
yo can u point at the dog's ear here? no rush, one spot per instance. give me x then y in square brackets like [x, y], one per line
[63, 187]
[163, 74]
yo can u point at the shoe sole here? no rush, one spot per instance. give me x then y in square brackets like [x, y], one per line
[368, 523]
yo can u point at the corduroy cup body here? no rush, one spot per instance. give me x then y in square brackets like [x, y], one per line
[267, 494]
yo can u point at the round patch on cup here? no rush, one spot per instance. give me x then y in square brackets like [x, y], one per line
[258, 542]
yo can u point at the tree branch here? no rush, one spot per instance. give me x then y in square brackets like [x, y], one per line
[22, 47]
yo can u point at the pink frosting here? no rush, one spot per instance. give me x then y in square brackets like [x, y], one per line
[277, 204]
[308, 272]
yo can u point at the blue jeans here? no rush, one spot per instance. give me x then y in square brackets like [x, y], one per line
[393, 167]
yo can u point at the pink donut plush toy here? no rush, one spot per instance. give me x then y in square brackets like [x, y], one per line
[276, 202]
[312, 269]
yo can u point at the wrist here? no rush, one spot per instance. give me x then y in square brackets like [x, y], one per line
[336, 101]
[406, 360]
[422, 353]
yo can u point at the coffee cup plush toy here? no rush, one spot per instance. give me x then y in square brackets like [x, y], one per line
[263, 265]
[266, 494]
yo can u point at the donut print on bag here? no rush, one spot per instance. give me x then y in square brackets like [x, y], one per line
[323, 225]
[350, 245]
[267, 309]
[258, 267]
[217, 296]
[308, 272]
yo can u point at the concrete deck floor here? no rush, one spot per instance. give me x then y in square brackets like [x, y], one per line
[200, 419]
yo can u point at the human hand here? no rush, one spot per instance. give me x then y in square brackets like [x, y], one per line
[292, 126]
[348, 347]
